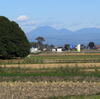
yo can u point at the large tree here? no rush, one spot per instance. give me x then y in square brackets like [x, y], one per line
[40, 41]
[13, 42]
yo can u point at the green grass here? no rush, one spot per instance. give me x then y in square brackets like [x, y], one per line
[49, 74]
[63, 72]
[55, 59]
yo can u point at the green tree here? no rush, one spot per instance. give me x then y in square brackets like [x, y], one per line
[34, 44]
[67, 46]
[40, 41]
[13, 41]
[91, 45]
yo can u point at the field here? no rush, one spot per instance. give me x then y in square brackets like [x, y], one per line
[43, 90]
[56, 58]
[47, 76]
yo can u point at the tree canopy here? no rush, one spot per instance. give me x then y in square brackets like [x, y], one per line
[67, 46]
[40, 41]
[13, 41]
[91, 45]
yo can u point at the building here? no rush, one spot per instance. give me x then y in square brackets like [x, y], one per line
[57, 49]
[34, 50]
[78, 47]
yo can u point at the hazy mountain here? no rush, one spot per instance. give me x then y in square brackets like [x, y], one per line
[63, 36]
[88, 34]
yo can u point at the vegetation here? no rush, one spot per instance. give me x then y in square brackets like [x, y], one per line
[91, 45]
[50, 74]
[40, 41]
[43, 90]
[67, 46]
[69, 82]
[46, 59]
[13, 42]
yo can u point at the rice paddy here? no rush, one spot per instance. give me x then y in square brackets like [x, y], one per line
[45, 76]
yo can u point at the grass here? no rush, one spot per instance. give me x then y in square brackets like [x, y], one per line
[40, 59]
[62, 59]
[22, 74]
[62, 71]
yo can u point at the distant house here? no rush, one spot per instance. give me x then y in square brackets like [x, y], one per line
[34, 50]
[44, 49]
[57, 49]
[53, 50]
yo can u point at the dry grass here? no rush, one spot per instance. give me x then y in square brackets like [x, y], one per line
[36, 90]
[69, 53]
[52, 65]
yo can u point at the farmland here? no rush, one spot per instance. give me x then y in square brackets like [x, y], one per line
[50, 74]
[45, 76]
[38, 90]
[47, 58]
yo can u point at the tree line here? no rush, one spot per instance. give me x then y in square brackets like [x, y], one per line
[39, 44]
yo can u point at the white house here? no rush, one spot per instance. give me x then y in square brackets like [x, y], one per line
[58, 49]
[34, 50]
[54, 50]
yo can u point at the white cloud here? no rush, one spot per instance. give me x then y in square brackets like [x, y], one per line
[22, 18]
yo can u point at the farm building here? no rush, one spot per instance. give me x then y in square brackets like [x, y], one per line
[34, 50]
[58, 49]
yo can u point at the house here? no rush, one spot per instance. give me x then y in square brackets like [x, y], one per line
[53, 50]
[34, 50]
[57, 49]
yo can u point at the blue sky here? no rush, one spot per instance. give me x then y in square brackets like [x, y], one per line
[70, 14]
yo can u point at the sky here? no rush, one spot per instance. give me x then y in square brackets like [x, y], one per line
[69, 14]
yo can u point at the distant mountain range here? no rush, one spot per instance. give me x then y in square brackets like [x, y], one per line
[64, 36]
